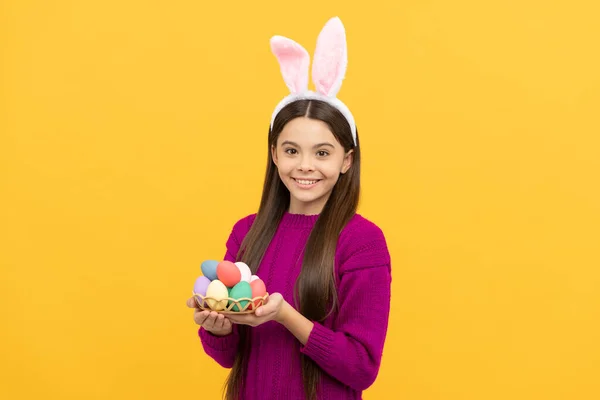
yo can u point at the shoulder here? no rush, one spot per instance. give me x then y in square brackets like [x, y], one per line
[362, 240]
[244, 224]
[360, 230]
[241, 227]
[237, 234]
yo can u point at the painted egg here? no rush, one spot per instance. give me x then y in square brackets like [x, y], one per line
[244, 270]
[200, 285]
[258, 290]
[218, 291]
[253, 278]
[209, 269]
[228, 273]
[239, 291]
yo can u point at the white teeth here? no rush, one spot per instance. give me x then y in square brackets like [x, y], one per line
[305, 182]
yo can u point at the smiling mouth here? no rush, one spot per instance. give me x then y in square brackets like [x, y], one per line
[306, 182]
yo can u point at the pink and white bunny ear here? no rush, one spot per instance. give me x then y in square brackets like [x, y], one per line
[293, 61]
[328, 70]
[331, 58]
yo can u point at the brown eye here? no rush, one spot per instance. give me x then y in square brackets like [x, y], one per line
[322, 153]
[290, 150]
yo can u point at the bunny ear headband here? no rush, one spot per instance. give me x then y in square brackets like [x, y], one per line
[328, 69]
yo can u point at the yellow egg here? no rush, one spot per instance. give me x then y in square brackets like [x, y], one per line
[218, 291]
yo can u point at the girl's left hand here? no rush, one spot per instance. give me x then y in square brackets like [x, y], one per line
[269, 311]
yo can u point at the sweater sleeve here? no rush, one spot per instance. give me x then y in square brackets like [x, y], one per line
[351, 351]
[223, 349]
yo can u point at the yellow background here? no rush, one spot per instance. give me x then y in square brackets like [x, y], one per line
[133, 136]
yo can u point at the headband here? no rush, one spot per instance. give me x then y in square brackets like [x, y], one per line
[328, 69]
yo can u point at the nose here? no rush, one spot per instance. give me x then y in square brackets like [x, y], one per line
[306, 164]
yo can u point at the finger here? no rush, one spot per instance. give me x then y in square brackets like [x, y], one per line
[226, 323]
[265, 309]
[210, 320]
[219, 321]
[205, 313]
[239, 319]
[200, 317]
[191, 302]
[269, 307]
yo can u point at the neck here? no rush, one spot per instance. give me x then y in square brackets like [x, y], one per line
[314, 208]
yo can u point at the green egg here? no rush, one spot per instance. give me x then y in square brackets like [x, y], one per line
[229, 295]
[241, 290]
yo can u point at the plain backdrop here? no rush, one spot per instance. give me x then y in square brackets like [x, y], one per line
[133, 136]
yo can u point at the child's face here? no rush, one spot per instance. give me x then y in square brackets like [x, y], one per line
[309, 160]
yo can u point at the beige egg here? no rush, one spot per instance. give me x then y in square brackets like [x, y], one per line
[218, 291]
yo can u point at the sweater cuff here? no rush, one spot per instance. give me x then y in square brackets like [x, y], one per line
[319, 344]
[218, 343]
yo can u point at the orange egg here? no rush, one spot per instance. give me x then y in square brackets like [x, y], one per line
[258, 290]
[228, 273]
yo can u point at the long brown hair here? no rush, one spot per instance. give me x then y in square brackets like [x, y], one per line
[315, 290]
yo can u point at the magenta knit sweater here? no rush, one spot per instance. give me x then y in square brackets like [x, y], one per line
[347, 346]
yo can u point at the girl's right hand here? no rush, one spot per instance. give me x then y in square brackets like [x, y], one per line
[211, 321]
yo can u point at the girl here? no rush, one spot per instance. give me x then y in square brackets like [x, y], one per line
[322, 331]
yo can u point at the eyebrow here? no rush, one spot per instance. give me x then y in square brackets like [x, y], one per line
[314, 147]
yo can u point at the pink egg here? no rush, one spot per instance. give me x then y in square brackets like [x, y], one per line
[228, 273]
[258, 290]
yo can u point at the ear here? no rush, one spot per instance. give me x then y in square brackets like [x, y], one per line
[274, 154]
[348, 158]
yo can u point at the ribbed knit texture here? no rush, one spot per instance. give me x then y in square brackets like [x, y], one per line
[348, 345]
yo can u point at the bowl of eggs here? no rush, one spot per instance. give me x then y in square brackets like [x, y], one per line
[229, 288]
